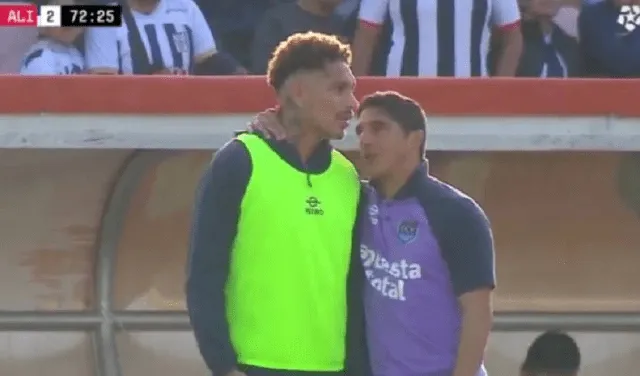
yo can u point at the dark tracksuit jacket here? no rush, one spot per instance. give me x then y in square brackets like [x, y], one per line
[214, 229]
[608, 49]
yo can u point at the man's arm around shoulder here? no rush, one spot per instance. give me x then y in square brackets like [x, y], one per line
[214, 228]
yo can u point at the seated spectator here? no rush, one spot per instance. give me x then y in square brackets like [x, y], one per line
[609, 49]
[54, 53]
[157, 37]
[233, 23]
[431, 38]
[553, 353]
[548, 51]
[287, 19]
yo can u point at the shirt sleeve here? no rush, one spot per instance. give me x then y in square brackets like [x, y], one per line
[101, 48]
[214, 228]
[466, 242]
[505, 14]
[373, 12]
[39, 64]
[203, 41]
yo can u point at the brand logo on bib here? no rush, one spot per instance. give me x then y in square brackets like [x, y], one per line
[313, 206]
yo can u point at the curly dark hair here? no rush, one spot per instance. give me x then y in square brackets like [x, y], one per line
[305, 51]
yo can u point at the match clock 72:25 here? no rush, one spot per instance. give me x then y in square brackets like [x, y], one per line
[91, 15]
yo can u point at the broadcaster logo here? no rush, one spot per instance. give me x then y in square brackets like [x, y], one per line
[629, 17]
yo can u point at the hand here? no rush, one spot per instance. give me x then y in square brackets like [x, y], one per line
[267, 124]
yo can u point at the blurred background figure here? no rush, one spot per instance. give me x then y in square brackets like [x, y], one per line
[444, 38]
[233, 23]
[290, 18]
[548, 51]
[553, 353]
[157, 37]
[55, 52]
[14, 44]
[609, 49]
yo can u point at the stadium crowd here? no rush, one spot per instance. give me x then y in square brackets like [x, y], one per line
[527, 38]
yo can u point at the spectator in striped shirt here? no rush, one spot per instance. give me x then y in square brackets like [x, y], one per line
[446, 38]
[54, 53]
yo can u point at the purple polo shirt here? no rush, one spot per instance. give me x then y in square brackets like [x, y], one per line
[420, 251]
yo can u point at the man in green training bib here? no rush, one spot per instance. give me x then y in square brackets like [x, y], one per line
[273, 282]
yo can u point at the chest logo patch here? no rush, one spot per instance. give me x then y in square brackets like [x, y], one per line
[407, 231]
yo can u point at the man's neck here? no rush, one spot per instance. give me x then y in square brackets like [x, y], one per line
[316, 8]
[390, 185]
[144, 6]
[298, 135]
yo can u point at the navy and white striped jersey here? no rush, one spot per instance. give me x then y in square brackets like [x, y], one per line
[175, 35]
[440, 37]
[48, 57]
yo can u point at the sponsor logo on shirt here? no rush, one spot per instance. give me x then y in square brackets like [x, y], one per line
[313, 206]
[386, 277]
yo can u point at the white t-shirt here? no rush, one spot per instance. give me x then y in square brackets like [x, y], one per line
[174, 34]
[440, 37]
[48, 57]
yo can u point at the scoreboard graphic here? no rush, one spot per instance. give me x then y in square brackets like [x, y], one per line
[28, 15]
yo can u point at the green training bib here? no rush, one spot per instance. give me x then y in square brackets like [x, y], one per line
[286, 292]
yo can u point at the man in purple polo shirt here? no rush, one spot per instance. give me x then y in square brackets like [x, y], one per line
[426, 247]
[427, 250]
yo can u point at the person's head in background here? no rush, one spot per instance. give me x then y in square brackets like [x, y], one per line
[553, 353]
[392, 132]
[315, 87]
[320, 7]
[62, 35]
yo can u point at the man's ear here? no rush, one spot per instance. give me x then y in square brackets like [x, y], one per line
[294, 91]
[416, 138]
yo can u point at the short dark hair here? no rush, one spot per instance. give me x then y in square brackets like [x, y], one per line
[402, 109]
[552, 351]
[305, 51]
